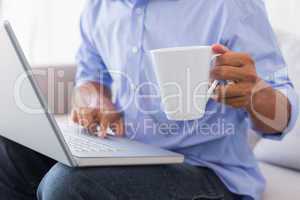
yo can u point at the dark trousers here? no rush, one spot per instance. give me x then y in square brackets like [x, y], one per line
[27, 175]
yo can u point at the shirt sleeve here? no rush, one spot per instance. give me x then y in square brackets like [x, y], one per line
[90, 66]
[251, 32]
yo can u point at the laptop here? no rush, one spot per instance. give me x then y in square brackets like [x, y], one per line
[25, 119]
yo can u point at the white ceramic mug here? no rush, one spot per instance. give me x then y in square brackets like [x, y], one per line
[183, 78]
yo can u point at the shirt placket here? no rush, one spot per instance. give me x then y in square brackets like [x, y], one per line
[136, 49]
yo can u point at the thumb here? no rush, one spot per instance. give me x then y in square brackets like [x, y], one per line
[219, 49]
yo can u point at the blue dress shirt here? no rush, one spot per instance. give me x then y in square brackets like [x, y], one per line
[117, 36]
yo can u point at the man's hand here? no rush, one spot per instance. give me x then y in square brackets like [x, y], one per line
[238, 68]
[269, 109]
[93, 108]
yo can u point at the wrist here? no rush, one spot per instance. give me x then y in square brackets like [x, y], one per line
[260, 94]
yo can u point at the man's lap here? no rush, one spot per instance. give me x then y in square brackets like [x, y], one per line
[21, 170]
[141, 182]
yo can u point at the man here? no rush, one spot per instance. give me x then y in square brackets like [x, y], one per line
[117, 36]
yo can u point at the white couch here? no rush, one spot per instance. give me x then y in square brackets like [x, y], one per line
[283, 181]
[280, 160]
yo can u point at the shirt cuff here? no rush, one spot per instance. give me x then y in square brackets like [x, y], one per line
[294, 101]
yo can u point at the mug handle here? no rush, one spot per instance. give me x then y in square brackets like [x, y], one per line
[213, 86]
[215, 83]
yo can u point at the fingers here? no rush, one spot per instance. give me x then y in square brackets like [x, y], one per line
[233, 66]
[231, 58]
[80, 119]
[239, 68]
[92, 118]
[231, 73]
[121, 128]
[74, 116]
[104, 124]
[118, 127]
[219, 49]
[236, 102]
[86, 118]
[234, 59]
[233, 90]
[236, 95]
[93, 127]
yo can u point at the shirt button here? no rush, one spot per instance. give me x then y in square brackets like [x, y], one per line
[139, 11]
[135, 50]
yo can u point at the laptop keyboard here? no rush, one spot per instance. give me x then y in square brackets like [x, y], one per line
[85, 144]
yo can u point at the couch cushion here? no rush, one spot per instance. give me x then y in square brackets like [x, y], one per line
[281, 183]
[284, 153]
